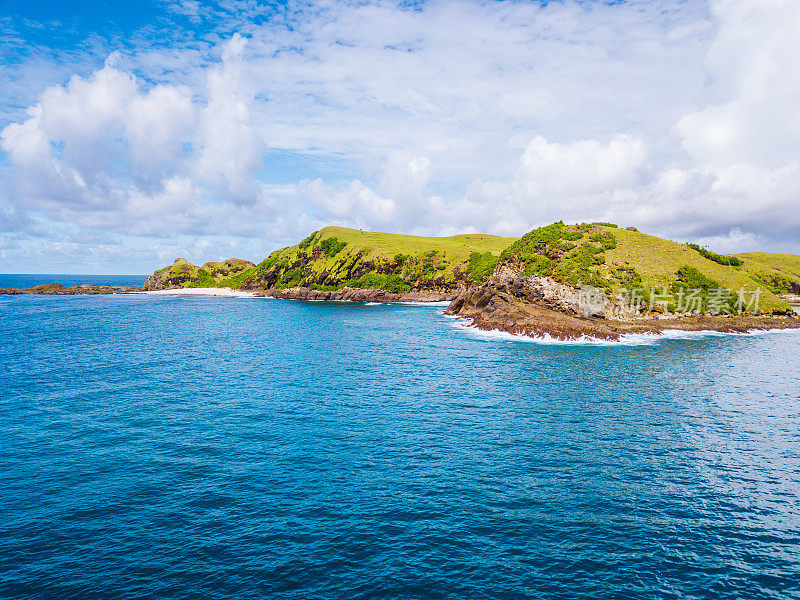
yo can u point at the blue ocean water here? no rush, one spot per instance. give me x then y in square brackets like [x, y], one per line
[189, 447]
[24, 280]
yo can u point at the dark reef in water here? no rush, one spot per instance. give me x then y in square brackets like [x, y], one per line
[56, 289]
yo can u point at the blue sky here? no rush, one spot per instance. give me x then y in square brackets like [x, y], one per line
[134, 133]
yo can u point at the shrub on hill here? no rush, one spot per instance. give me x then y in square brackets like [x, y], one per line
[204, 279]
[691, 281]
[481, 266]
[307, 242]
[776, 284]
[568, 253]
[730, 261]
[332, 246]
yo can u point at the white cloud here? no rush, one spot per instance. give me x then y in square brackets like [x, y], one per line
[733, 241]
[580, 167]
[436, 118]
[111, 153]
[469, 84]
[230, 153]
[157, 123]
[357, 205]
[753, 59]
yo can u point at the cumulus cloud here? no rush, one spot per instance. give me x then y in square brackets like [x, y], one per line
[752, 58]
[436, 118]
[230, 154]
[111, 152]
[737, 184]
[356, 205]
[469, 84]
[580, 167]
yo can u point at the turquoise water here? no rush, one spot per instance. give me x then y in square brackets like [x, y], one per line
[168, 447]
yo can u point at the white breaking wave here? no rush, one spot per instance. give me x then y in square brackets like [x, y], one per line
[627, 339]
[435, 303]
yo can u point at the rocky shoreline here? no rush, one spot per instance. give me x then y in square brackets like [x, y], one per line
[536, 309]
[348, 294]
[345, 294]
[538, 322]
[541, 308]
[56, 289]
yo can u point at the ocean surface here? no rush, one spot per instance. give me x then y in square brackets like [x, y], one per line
[24, 280]
[191, 447]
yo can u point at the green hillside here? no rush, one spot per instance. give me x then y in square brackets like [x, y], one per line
[336, 256]
[599, 254]
[612, 258]
[778, 272]
[182, 273]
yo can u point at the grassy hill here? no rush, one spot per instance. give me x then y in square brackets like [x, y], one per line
[780, 273]
[182, 273]
[336, 256]
[599, 254]
[606, 256]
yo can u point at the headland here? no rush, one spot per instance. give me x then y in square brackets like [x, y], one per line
[564, 281]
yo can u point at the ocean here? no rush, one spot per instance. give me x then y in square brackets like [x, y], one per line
[24, 280]
[217, 448]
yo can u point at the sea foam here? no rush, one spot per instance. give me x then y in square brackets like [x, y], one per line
[627, 339]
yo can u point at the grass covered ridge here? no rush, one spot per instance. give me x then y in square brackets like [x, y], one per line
[657, 263]
[780, 273]
[335, 257]
[612, 258]
[599, 254]
[182, 273]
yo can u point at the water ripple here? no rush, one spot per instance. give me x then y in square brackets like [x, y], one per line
[207, 447]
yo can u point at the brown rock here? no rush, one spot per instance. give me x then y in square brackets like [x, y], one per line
[57, 289]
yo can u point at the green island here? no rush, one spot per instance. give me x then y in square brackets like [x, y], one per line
[598, 254]
[336, 257]
[601, 281]
[566, 281]
[534, 285]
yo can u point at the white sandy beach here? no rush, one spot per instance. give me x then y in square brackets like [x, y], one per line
[203, 292]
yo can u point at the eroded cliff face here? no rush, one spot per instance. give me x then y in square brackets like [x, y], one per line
[508, 287]
[526, 305]
[541, 307]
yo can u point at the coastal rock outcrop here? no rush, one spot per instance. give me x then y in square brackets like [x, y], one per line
[559, 281]
[539, 308]
[56, 289]
[526, 305]
[349, 294]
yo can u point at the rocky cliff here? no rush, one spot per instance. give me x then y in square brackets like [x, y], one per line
[570, 281]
